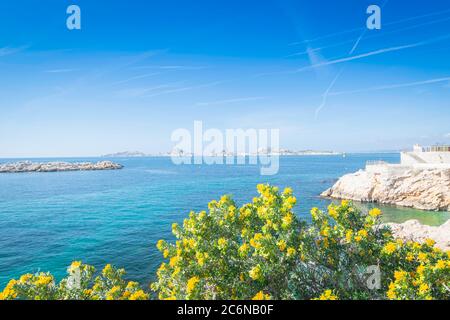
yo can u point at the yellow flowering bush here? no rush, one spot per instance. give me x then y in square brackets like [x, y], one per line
[423, 271]
[262, 251]
[233, 253]
[78, 285]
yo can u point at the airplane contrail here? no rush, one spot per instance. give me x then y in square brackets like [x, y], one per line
[359, 29]
[327, 93]
[374, 53]
[393, 86]
[337, 44]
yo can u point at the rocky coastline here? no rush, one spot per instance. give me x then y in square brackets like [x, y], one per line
[28, 166]
[425, 189]
[415, 231]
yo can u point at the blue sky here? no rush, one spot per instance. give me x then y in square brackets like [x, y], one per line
[137, 70]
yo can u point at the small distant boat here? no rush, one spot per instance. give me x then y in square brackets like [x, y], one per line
[344, 155]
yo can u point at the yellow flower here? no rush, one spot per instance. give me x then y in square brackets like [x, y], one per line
[200, 258]
[222, 242]
[255, 273]
[290, 252]
[43, 280]
[173, 261]
[420, 269]
[243, 249]
[430, 242]
[291, 200]
[422, 257]
[165, 253]
[281, 245]
[107, 269]
[24, 278]
[287, 191]
[191, 284]
[423, 288]
[74, 265]
[362, 233]
[399, 275]
[160, 244]
[375, 212]
[111, 295]
[315, 212]
[139, 295]
[176, 271]
[9, 292]
[261, 296]
[87, 292]
[325, 232]
[390, 247]
[287, 220]
[328, 295]
[349, 235]
[332, 212]
[391, 294]
[440, 264]
[245, 214]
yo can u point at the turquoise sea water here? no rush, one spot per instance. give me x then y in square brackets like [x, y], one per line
[48, 220]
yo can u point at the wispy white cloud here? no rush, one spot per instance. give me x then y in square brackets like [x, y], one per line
[136, 78]
[6, 51]
[447, 135]
[59, 70]
[392, 86]
[170, 67]
[138, 92]
[229, 101]
[182, 89]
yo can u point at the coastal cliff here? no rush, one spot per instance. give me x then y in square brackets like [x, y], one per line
[28, 166]
[424, 188]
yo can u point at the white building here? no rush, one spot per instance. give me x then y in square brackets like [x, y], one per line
[438, 154]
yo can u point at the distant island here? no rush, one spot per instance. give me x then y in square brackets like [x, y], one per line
[224, 153]
[28, 166]
[125, 154]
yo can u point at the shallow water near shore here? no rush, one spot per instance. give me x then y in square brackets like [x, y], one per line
[48, 220]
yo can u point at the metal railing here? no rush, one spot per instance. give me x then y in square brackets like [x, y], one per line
[375, 162]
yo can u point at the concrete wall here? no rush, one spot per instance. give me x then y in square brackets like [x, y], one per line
[399, 169]
[412, 158]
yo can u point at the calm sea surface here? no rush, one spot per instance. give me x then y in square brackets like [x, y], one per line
[48, 220]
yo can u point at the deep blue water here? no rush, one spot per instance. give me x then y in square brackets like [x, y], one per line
[48, 220]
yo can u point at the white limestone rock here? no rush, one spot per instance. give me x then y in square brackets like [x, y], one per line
[426, 189]
[415, 231]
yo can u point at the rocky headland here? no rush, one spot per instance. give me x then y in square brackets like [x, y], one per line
[424, 188]
[28, 166]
